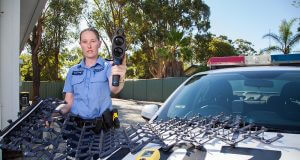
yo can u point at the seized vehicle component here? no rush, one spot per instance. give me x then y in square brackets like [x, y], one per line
[30, 135]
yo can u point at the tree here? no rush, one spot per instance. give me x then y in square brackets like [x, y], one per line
[200, 47]
[243, 47]
[70, 58]
[296, 3]
[153, 23]
[26, 67]
[107, 16]
[49, 35]
[67, 57]
[220, 48]
[285, 40]
[148, 25]
[35, 46]
[61, 18]
[138, 66]
[177, 50]
[207, 46]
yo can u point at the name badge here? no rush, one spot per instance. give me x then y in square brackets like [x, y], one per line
[77, 72]
[98, 69]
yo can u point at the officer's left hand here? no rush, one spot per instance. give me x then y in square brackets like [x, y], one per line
[120, 69]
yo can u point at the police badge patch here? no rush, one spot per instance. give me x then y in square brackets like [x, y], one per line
[77, 72]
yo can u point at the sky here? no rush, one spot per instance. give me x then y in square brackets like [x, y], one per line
[251, 19]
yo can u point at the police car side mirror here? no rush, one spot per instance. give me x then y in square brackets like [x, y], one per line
[148, 111]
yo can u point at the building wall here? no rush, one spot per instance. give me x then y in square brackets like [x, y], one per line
[9, 60]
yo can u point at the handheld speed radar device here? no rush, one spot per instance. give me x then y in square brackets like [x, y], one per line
[118, 52]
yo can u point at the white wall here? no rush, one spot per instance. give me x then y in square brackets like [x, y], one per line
[9, 60]
[16, 23]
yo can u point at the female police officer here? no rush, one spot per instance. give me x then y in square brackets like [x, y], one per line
[88, 84]
[87, 89]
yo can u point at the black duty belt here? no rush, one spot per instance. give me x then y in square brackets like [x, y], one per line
[109, 119]
[96, 124]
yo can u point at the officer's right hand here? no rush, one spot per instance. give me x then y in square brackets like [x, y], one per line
[55, 114]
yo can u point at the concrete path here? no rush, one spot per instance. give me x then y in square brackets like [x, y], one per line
[130, 111]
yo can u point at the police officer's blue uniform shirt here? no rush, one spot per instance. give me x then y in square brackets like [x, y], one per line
[90, 88]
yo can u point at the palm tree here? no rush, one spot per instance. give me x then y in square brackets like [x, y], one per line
[285, 39]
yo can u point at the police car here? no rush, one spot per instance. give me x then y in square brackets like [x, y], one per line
[267, 96]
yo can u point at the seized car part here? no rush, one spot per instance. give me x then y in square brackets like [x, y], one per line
[30, 135]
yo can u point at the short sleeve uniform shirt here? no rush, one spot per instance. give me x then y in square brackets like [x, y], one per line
[90, 88]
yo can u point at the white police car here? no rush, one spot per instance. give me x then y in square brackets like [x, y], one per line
[267, 96]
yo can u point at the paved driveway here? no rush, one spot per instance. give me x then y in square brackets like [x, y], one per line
[130, 110]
